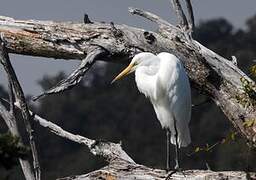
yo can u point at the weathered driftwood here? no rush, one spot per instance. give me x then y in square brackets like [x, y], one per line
[209, 72]
[124, 170]
[10, 117]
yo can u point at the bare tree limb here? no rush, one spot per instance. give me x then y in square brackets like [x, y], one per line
[10, 121]
[191, 21]
[19, 96]
[11, 98]
[75, 77]
[110, 151]
[127, 171]
[182, 20]
[152, 17]
[215, 75]
[121, 166]
[208, 72]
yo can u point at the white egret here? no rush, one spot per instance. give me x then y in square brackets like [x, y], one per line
[163, 80]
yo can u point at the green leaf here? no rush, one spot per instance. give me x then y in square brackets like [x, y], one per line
[197, 149]
[249, 122]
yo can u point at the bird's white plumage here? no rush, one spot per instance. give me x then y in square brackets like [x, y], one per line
[163, 79]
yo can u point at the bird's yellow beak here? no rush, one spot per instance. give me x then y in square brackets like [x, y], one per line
[125, 72]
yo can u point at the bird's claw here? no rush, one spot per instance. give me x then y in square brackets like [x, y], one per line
[176, 169]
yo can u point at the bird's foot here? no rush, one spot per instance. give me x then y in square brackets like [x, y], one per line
[176, 170]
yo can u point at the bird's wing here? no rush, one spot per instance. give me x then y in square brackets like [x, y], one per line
[179, 95]
[179, 99]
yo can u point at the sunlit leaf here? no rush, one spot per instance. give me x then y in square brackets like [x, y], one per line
[249, 122]
[197, 149]
[253, 70]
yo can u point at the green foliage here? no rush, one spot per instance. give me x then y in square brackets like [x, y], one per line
[249, 88]
[249, 122]
[248, 98]
[253, 70]
[11, 150]
[208, 148]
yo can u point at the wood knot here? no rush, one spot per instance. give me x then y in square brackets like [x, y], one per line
[241, 116]
[214, 78]
[150, 38]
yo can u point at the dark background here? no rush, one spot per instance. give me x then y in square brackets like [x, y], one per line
[118, 112]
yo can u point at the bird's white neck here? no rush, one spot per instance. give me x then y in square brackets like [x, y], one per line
[144, 78]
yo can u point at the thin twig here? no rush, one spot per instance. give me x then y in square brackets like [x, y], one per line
[76, 76]
[191, 21]
[152, 17]
[182, 20]
[20, 98]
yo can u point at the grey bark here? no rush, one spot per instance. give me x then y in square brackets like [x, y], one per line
[75, 77]
[16, 93]
[182, 19]
[10, 121]
[209, 72]
[191, 21]
[128, 171]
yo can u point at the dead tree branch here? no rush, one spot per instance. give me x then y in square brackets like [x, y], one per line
[110, 151]
[11, 123]
[152, 17]
[140, 172]
[182, 20]
[75, 77]
[15, 89]
[191, 21]
[209, 72]
[121, 166]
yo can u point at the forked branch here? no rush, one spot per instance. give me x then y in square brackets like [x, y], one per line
[11, 123]
[191, 21]
[182, 20]
[16, 93]
[209, 72]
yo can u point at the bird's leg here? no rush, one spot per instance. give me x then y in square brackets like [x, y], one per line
[168, 154]
[177, 150]
[177, 161]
